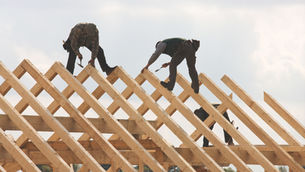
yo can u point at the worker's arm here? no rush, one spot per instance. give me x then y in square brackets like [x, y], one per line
[75, 46]
[159, 49]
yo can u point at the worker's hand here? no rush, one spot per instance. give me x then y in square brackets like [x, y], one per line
[91, 62]
[80, 57]
[166, 64]
[146, 67]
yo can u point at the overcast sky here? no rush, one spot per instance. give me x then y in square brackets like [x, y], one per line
[259, 44]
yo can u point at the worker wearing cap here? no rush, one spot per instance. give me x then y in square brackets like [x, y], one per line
[85, 34]
[178, 49]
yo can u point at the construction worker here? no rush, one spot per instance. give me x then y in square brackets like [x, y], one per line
[178, 49]
[85, 34]
[203, 115]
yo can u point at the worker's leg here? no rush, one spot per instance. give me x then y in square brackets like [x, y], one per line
[102, 61]
[205, 140]
[94, 50]
[191, 61]
[172, 72]
[71, 62]
[228, 138]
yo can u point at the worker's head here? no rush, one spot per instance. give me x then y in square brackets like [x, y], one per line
[196, 44]
[157, 44]
[67, 45]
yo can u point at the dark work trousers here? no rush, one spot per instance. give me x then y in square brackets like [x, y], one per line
[100, 57]
[203, 115]
[188, 52]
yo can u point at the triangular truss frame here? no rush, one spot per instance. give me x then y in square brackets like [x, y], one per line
[135, 141]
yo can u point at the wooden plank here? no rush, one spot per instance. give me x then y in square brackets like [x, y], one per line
[28, 130]
[260, 133]
[23, 104]
[97, 93]
[284, 114]
[173, 126]
[2, 169]
[260, 111]
[151, 146]
[17, 153]
[113, 107]
[141, 122]
[127, 93]
[84, 107]
[141, 166]
[264, 115]
[220, 120]
[69, 123]
[95, 105]
[78, 117]
[11, 166]
[189, 115]
[67, 92]
[102, 158]
[170, 110]
[83, 122]
[49, 119]
[209, 121]
[5, 86]
[91, 144]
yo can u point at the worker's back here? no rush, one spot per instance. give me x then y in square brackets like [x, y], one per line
[84, 34]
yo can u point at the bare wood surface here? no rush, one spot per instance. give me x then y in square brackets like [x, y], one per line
[120, 130]
[260, 111]
[285, 114]
[102, 158]
[189, 115]
[69, 123]
[83, 122]
[24, 125]
[50, 120]
[17, 153]
[252, 125]
[128, 108]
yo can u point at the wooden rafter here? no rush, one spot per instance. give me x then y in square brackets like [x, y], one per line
[173, 126]
[242, 115]
[120, 130]
[285, 114]
[125, 148]
[188, 114]
[83, 122]
[102, 157]
[50, 120]
[69, 123]
[17, 153]
[24, 125]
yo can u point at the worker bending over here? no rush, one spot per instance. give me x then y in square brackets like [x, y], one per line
[85, 34]
[178, 49]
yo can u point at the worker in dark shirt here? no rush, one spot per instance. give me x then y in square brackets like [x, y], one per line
[178, 49]
[85, 34]
[203, 115]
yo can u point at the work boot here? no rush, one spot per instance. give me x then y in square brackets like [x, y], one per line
[108, 72]
[205, 144]
[195, 87]
[164, 84]
[230, 142]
